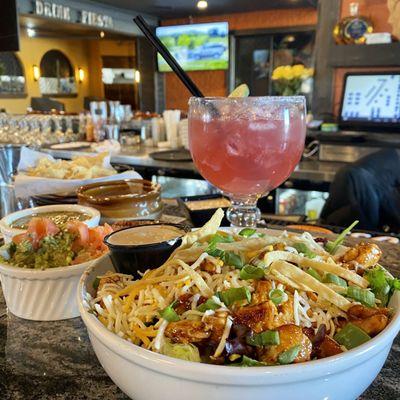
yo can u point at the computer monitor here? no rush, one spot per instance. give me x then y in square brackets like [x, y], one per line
[371, 101]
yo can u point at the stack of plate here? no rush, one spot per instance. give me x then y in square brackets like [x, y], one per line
[49, 199]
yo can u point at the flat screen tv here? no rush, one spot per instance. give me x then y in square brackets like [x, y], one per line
[9, 40]
[196, 46]
[371, 100]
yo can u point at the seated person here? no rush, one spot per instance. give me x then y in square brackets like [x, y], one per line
[367, 190]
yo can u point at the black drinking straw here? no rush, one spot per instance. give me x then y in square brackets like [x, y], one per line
[168, 57]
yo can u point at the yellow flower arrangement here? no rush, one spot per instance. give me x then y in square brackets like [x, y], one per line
[290, 72]
[288, 78]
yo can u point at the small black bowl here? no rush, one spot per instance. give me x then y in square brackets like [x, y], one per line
[131, 259]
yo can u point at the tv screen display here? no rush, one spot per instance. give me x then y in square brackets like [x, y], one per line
[9, 26]
[197, 46]
[371, 98]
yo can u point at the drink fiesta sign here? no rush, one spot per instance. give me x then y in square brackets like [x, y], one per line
[59, 11]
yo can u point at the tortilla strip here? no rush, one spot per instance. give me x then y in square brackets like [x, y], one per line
[280, 255]
[298, 275]
[334, 269]
[210, 228]
[251, 244]
[288, 282]
[272, 256]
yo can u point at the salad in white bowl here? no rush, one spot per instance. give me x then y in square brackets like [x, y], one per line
[307, 313]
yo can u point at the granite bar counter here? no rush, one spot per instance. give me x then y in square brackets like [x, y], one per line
[139, 157]
[54, 360]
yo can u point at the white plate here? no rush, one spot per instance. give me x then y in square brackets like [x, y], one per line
[70, 146]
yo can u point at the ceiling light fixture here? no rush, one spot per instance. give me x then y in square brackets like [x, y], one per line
[30, 32]
[202, 4]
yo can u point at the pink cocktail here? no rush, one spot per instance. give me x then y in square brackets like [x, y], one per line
[246, 146]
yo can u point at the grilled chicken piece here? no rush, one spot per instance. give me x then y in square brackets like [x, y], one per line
[210, 267]
[279, 246]
[290, 336]
[266, 315]
[370, 320]
[183, 303]
[217, 323]
[108, 278]
[364, 254]
[261, 294]
[328, 347]
[188, 331]
[372, 325]
[360, 311]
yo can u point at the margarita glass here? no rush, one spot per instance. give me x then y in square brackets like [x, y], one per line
[246, 146]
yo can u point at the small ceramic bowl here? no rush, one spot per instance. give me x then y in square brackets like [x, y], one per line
[42, 295]
[134, 258]
[127, 199]
[9, 232]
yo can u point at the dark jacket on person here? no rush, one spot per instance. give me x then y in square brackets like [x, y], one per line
[367, 190]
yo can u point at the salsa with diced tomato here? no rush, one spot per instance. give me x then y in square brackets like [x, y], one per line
[47, 245]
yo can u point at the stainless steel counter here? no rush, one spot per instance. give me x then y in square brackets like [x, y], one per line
[138, 156]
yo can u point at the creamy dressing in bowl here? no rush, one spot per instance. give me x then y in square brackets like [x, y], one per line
[142, 235]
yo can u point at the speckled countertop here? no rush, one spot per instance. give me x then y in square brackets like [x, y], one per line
[55, 361]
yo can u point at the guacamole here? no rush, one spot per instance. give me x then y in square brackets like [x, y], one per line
[53, 251]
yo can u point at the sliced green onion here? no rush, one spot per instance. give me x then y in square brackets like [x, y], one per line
[215, 252]
[288, 356]
[230, 296]
[217, 238]
[314, 274]
[351, 336]
[364, 296]
[302, 248]
[247, 232]
[251, 272]
[249, 362]
[260, 264]
[336, 280]
[233, 259]
[210, 304]
[212, 245]
[266, 338]
[96, 283]
[169, 314]
[331, 247]
[277, 296]
[261, 235]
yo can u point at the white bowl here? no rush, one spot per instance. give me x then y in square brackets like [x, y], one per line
[9, 232]
[145, 375]
[42, 295]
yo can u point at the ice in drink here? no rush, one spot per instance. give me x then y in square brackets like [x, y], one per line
[245, 155]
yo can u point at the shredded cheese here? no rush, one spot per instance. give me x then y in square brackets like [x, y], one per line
[197, 279]
[296, 306]
[159, 340]
[224, 336]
